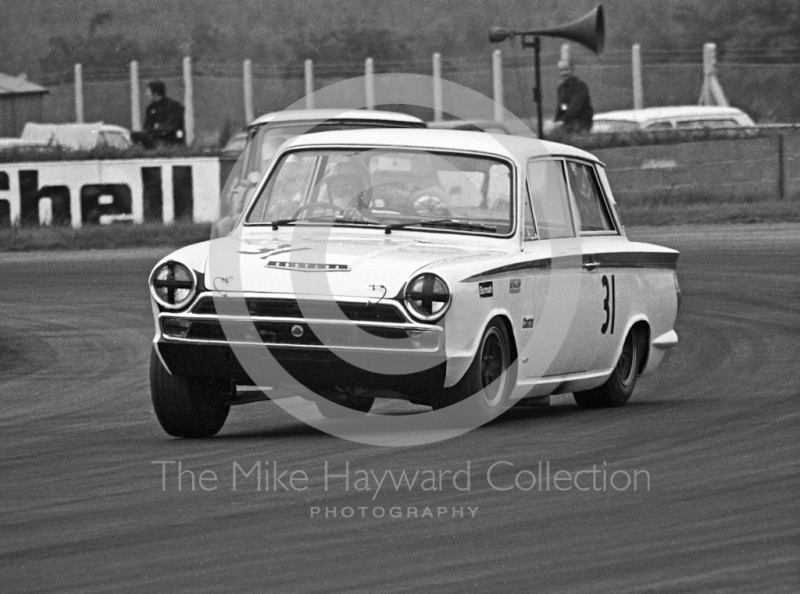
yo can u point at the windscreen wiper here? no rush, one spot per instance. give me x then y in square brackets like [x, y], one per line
[446, 223]
[358, 221]
[285, 222]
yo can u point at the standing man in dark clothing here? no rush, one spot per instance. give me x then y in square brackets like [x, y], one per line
[574, 110]
[163, 122]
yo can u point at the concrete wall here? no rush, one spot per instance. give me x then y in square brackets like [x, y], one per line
[744, 169]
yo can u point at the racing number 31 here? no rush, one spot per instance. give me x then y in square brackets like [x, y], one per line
[609, 304]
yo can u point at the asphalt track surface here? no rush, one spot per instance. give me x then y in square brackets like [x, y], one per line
[716, 429]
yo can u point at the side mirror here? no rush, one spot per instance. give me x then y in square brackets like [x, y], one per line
[253, 177]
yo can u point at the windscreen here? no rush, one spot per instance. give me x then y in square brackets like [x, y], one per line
[389, 187]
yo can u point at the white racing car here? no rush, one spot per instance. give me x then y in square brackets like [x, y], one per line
[441, 267]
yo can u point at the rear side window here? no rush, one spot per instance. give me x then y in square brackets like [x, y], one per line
[707, 124]
[592, 209]
[659, 126]
[550, 199]
[609, 126]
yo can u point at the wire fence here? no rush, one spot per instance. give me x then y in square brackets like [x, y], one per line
[767, 91]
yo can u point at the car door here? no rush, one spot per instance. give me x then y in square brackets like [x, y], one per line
[604, 279]
[562, 331]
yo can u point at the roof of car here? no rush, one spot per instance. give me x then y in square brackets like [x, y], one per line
[321, 115]
[670, 111]
[443, 140]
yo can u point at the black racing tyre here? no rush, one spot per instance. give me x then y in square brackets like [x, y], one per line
[620, 384]
[186, 406]
[488, 381]
[331, 410]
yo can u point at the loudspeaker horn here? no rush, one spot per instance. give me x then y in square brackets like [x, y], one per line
[589, 31]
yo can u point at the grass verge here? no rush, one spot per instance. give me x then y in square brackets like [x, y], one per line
[654, 213]
[19, 239]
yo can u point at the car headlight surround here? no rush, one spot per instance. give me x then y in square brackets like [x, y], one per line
[173, 285]
[427, 297]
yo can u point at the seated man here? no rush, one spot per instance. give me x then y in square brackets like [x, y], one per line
[349, 189]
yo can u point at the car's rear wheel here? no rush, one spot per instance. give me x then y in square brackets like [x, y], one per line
[619, 386]
[187, 406]
[487, 383]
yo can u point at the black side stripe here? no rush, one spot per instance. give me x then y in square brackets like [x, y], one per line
[665, 260]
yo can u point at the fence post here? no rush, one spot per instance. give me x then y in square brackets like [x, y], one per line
[781, 168]
[188, 100]
[247, 67]
[79, 93]
[437, 87]
[309, 76]
[711, 92]
[564, 53]
[167, 194]
[497, 80]
[636, 64]
[369, 82]
[136, 116]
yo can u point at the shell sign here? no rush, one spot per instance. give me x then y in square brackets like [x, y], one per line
[77, 193]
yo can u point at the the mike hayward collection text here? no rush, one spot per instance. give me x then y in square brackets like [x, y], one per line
[271, 477]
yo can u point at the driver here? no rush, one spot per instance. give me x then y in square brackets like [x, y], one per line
[348, 188]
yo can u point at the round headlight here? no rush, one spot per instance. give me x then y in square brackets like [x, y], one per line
[427, 297]
[173, 285]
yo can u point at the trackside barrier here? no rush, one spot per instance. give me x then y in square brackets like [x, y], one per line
[755, 168]
[139, 190]
[108, 191]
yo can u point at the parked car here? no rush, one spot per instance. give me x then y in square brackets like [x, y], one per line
[77, 136]
[267, 132]
[671, 118]
[437, 266]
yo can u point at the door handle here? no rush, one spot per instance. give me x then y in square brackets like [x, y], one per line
[590, 266]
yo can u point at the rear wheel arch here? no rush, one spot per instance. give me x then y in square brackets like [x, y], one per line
[642, 329]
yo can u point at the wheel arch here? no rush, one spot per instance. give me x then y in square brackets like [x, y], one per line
[642, 325]
[457, 366]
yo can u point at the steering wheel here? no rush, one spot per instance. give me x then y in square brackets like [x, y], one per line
[313, 206]
[428, 204]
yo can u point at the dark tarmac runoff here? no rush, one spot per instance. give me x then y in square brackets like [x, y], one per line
[97, 498]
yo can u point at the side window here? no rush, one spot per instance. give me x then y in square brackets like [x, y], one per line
[548, 190]
[693, 124]
[588, 198]
[529, 228]
[659, 126]
[115, 140]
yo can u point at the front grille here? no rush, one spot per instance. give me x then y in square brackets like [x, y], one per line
[280, 333]
[289, 308]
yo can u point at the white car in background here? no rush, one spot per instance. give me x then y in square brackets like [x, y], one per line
[267, 132]
[671, 118]
[77, 136]
[477, 268]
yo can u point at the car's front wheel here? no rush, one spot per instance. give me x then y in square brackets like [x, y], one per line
[187, 406]
[620, 384]
[488, 382]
